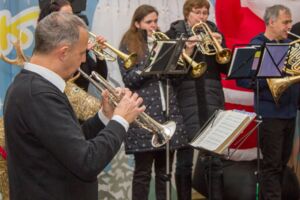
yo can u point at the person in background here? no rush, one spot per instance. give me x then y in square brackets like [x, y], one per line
[49, 154]
[138, 38]
[199, 97]
[296, 30]
[92, 63]
[278, 120]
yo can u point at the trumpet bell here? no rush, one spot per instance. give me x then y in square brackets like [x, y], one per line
[199, 69]
[130, 60]
[163, 137]
[223, 56]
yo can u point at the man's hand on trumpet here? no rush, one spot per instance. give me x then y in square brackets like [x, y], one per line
[129, 106]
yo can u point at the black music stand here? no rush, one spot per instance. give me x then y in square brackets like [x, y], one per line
[245, 61]
[265, 61]
[163, 62]
[164, 58]
[272, 60]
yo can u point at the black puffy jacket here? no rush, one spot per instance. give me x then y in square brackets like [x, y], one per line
[200, 97]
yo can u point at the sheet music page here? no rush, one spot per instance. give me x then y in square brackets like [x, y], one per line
[220, 129]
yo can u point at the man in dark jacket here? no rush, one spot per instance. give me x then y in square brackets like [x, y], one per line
[278, 126]
[198, 97]
[49, 155]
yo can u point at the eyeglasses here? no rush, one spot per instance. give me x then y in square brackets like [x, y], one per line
[198, 12]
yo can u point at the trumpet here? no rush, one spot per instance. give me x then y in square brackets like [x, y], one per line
[129, 60]
[197, 68]
[161, 133]
[209, 45]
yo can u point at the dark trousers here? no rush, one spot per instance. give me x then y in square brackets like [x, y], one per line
[183, 174]
[276, 142]
[142, 174]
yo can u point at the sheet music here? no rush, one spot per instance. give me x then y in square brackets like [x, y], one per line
[223, 126]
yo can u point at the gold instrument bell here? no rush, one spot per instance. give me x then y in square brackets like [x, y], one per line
[292, 68]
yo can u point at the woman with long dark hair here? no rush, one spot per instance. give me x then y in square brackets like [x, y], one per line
[152, 89]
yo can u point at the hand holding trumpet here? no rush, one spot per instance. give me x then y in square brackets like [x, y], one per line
[99, 40]
[129, 106]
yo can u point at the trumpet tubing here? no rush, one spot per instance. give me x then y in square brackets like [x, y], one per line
[129, 60]
[209, 45]
[161, 133]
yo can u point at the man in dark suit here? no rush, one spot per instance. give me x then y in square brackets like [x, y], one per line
[50, 156]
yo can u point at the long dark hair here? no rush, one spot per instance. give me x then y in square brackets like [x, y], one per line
[52, 6]
[134, 38]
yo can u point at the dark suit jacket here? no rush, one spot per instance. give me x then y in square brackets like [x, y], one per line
[50, 156]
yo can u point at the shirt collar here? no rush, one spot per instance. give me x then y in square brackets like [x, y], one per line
[49, 75]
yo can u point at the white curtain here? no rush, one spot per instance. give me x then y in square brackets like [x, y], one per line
[259, 6]
[112, 19]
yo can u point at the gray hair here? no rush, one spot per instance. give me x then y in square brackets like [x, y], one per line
[272, 12]
[55, 29]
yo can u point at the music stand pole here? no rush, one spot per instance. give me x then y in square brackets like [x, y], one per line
[257, 195]
[171, 53]
[168, 184]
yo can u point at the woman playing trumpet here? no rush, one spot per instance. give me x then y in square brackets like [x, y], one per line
[205, 94]
[138, 141]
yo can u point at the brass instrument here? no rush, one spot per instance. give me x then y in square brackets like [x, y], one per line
[278, 85]
[129, 60]
[84, 104]
[4, 189]
[209, 45]
[292, 67]
[161, 133]
[197, 68]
